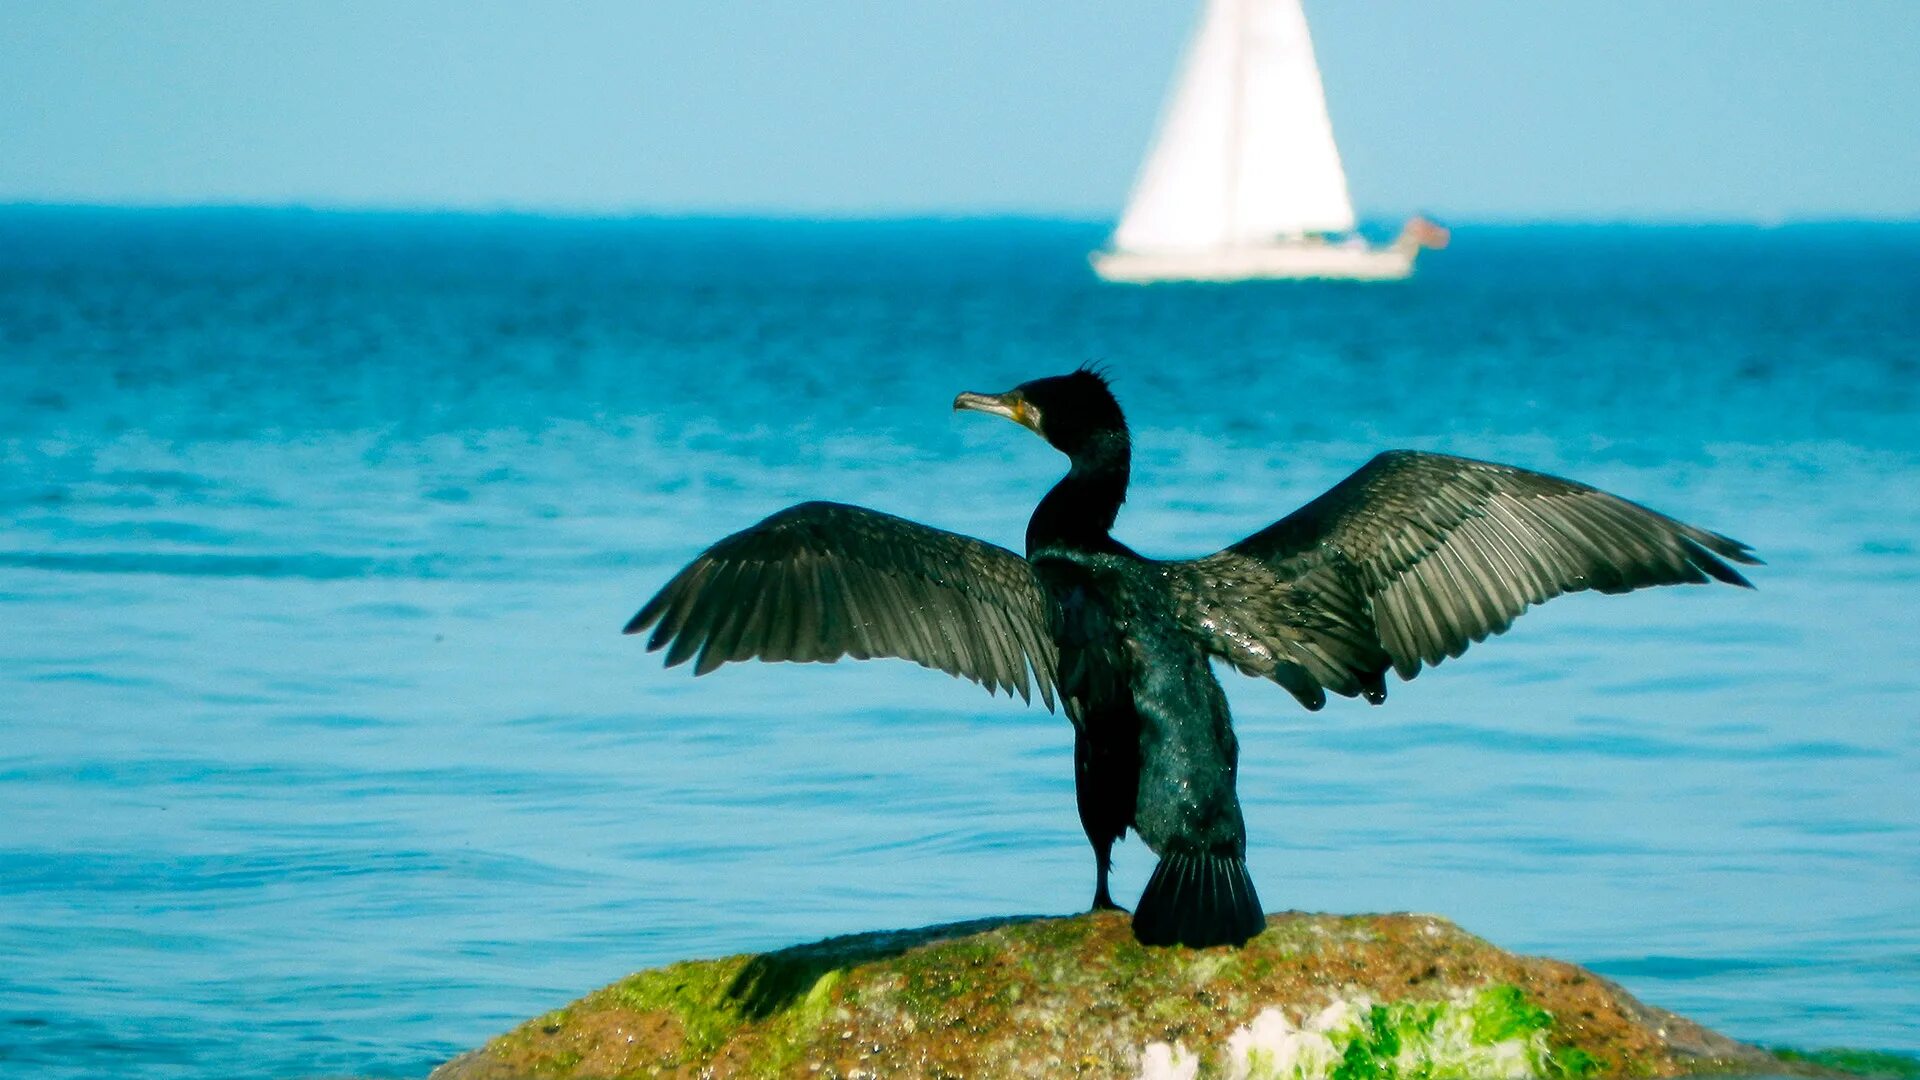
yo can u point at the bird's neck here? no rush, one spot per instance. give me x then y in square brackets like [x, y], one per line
[1078, 513]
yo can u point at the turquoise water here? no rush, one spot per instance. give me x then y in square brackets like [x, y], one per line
[321, 753]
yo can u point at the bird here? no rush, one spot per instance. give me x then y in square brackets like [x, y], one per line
[1398, 567]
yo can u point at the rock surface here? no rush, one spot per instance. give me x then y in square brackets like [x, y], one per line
[1366, 997]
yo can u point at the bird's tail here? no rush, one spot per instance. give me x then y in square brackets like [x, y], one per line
[1197, 899]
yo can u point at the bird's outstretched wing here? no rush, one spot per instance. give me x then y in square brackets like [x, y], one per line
[1416, 556]
[822, 580]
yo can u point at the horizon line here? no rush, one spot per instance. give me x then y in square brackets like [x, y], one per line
[788, 215]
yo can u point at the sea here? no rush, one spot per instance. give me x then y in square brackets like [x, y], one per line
[322, 753]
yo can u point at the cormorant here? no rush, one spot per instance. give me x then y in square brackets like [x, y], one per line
[1404, 563]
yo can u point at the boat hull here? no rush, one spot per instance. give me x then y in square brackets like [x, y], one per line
[1281, 262]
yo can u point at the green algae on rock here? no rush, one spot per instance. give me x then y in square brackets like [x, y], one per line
[1492, 1034]
[1370, 997]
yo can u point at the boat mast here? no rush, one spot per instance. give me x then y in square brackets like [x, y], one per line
[1236, 98]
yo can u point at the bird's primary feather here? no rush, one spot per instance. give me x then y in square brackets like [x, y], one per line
[1416, 556]
[819, 581]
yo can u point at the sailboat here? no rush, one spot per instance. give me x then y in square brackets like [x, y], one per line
[1244, 180]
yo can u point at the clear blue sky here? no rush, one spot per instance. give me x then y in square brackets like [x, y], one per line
[1473, 109]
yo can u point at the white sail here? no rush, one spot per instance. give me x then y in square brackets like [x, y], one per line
[1245, 153]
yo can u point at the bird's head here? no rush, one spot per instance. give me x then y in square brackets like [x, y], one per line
[1076, 412]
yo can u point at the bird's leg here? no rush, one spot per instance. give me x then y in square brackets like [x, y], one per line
[1103, 860]
[1106, 773]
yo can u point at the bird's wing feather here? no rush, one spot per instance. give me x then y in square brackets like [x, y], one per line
[822, 580]
[1415, 556]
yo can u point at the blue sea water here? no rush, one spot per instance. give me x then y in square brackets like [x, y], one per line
[321, 752]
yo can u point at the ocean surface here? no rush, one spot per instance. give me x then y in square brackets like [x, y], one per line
[321, 752]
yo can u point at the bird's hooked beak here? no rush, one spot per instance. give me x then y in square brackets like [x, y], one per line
[1013, 405]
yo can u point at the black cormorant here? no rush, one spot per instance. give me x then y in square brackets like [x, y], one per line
[1404, 563]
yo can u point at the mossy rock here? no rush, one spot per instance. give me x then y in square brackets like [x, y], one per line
[1369, 997]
